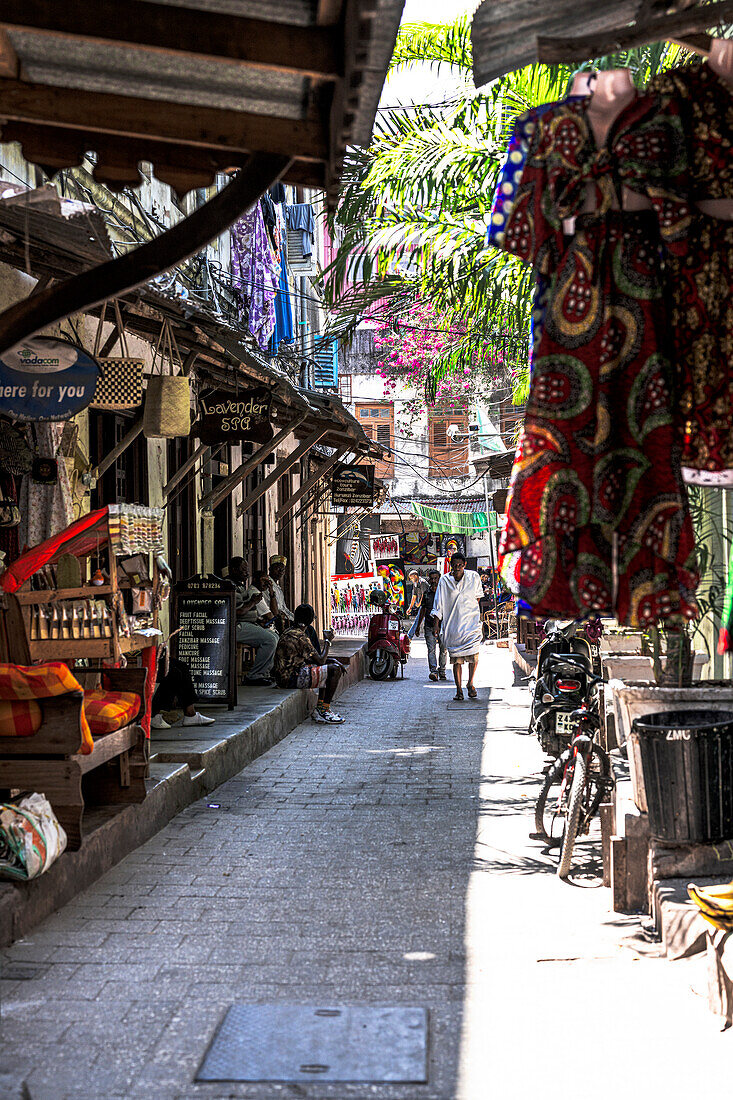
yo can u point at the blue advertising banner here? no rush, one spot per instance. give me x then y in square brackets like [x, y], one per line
[46, 379]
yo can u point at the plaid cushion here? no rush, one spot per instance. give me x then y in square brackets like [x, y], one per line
[22, 682]
[107, 711]
[20, 718]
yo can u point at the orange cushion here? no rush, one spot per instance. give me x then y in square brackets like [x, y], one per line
[25, 682]
[107, 711]
[19, 719]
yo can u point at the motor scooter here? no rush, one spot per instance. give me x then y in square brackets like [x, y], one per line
[565, 681]
[388, 646]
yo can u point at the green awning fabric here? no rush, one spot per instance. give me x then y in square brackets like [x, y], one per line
[441, 522]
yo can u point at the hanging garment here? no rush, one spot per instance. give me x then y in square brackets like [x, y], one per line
[254, 274]
[45, 509]
[283, 331]
[597, 516]
[300, 216]
[700, 280]
[277, 193]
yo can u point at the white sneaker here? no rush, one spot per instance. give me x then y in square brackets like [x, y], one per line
[327, 716]
[158, 722]
[197, 720]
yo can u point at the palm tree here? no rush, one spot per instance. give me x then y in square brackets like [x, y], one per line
[411, 224]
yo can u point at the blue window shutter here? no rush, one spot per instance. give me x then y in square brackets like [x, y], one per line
[326, 358]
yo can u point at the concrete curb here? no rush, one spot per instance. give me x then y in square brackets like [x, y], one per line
[111, 835]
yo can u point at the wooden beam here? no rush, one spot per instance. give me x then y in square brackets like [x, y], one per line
[285, 465]
[116, 277]
[312, 51]
[114, 454]
[183, 470]
[320, 472]
[690, 21]
[9, 64]
[212, 499]
[180, 123]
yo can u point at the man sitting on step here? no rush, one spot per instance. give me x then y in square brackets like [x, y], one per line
[299, 664]
[250, 627]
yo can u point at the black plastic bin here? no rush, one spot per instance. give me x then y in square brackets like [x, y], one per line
[687, 760]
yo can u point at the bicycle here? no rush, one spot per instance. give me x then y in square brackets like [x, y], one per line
[583, 774]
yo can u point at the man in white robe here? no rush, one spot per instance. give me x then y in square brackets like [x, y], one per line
[456, 614]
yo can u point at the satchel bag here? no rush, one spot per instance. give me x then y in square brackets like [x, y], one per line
[120, 385]
[168, 397]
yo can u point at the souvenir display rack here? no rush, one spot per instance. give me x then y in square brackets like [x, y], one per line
[90, 621]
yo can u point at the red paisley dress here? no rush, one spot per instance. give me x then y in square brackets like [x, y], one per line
[597, 518]
[700, 281]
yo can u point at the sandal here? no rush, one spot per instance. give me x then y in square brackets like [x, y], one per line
[472, 693]
[458, 697]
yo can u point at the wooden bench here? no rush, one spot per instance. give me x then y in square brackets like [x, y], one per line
[49, 760]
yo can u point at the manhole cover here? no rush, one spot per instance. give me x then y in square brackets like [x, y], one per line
[301, 1043]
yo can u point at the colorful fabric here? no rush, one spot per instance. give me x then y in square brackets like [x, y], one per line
[135, 529]
[294, 650]
[19, 718]
[43, 681]
[725, 637]
[283, 330]
[705, 104]
[107, 711]
[597, 517]
[700, 282]
[701, 322]
[441, 521]
[255, 274]
[310, 676]
[79, 538]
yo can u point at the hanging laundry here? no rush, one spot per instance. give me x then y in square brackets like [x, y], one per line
[700, 280]
[270, 218]
[597, 521]
[283, 331]
[300, 216]
[255, 274]
[277, 193]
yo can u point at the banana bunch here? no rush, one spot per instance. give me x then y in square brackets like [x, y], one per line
[715, 904]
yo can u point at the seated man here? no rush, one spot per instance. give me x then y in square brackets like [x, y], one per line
[277, 572]
[299, 664]
[250, 627]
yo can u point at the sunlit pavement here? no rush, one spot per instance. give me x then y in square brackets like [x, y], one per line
[383, 862]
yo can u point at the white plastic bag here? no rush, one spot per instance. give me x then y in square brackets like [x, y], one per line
[31, 838]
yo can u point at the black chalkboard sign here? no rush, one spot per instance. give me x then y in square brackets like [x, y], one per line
[205, 623]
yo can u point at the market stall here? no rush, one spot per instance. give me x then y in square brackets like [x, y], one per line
[74, 716]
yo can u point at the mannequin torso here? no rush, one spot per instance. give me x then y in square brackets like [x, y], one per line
[611, 91]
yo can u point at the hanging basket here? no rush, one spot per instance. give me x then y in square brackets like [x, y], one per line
[168, 398]
[120, 383]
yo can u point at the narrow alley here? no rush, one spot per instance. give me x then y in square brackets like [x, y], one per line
[383, 862]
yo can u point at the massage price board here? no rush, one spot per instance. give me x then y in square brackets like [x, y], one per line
[205, 636]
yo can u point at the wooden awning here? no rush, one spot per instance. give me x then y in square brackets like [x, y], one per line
[196, 88]
[509, 34]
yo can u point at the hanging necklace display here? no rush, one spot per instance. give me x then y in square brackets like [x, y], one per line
[168, 397]
[121, 383]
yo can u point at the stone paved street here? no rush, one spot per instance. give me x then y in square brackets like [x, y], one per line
[383, 862]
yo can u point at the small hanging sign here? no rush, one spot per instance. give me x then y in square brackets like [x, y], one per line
[227, 416]
[353, 487]
[45, 378]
